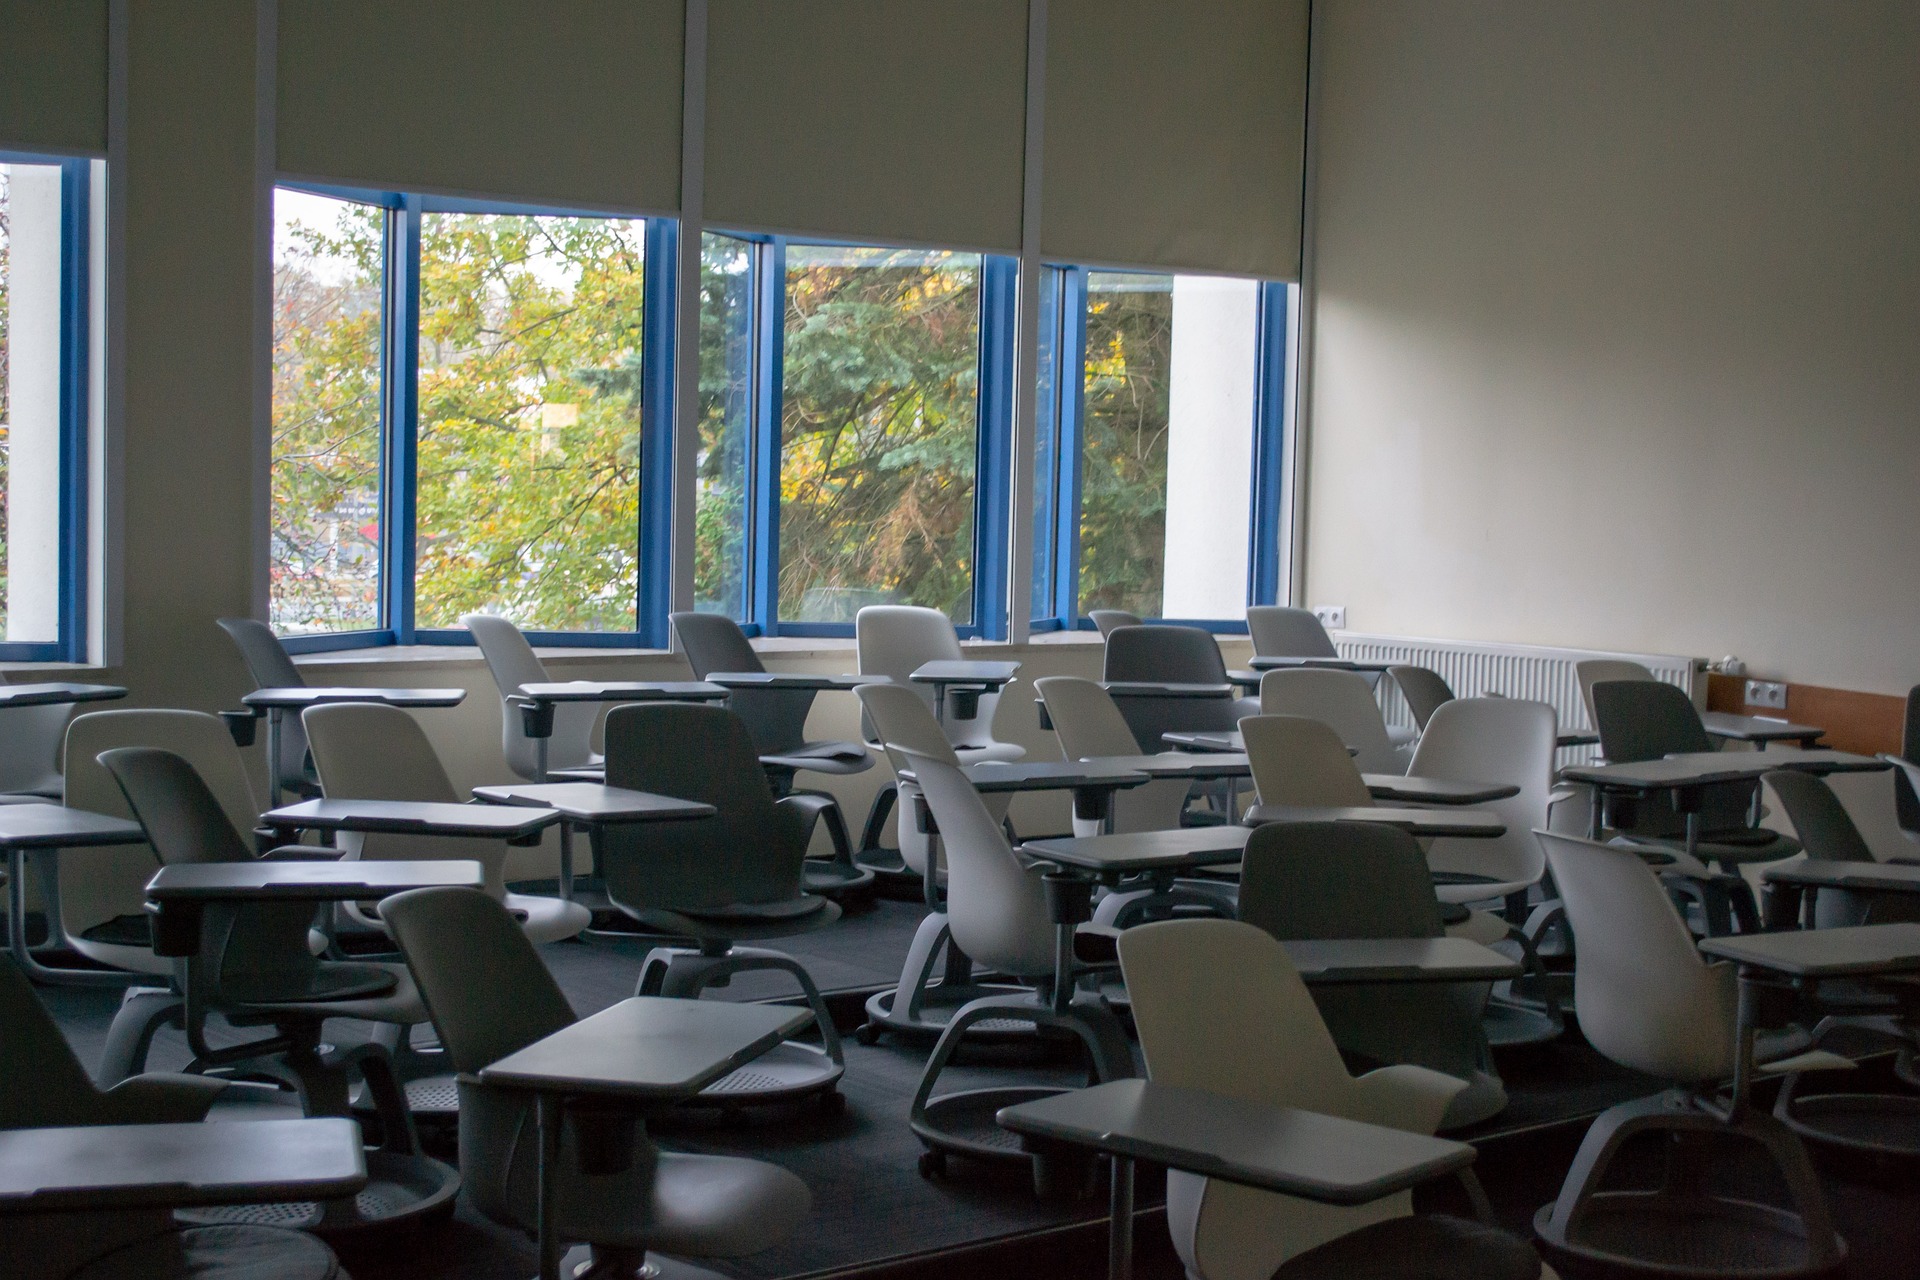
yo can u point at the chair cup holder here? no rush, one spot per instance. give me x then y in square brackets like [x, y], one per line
[964, 703]
[242, 726]
[536, 718]
[1069, 897]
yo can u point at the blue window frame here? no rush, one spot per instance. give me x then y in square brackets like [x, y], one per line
[1151, 388]
[46, 380]
[839, 377]
[514, 344]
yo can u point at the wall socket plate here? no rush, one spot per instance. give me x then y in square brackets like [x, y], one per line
[1332, 616]
[1771, 694]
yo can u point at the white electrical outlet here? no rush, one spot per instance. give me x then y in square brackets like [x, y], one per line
[1332, 616]
[1767, 693]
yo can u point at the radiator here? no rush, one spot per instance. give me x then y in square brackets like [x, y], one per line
[1474, 668]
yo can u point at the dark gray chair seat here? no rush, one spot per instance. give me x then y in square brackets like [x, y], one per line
[1419, 1247]
[238, 1252]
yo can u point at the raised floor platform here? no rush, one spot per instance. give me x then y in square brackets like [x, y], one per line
[874, 1217]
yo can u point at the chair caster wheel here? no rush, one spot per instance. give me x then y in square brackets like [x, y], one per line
[868, 1034]
[933, 1164]
[833, 1103]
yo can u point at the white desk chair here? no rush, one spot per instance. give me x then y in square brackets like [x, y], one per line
[1599, 670]
[1105, 620]
[1089, 724]
[922, 1001]
[1343, 700]
[895, 640]
[1281, 632]
[371, 751]
[1258, 1038]
[271, 667]
[512, 662]
[1651, 1002]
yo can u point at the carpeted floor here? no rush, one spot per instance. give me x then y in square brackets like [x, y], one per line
[874, 1215]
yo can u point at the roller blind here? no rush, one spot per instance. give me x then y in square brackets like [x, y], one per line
[562, 101]
[53, 74]
[875, 119]
[1175, 134]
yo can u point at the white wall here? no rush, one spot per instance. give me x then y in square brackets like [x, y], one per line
[1618, 327]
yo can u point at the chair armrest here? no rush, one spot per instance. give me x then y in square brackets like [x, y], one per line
[301, 853]
[1405, 1097]
[1096, 945]
[160, 1098]
[800, 813]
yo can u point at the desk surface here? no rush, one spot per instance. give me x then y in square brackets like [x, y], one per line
[157, 1166]
[53, 826]
[1855, 951]
[1703, 767]
[1343, 960]
[1394, 786]
[1047, 775]
[785, 680]
[412, 817]
[308, 881]
[1202, 740]
[1901, 877]
[649, 1048]
[1144, 850]
[48, 692]
[1723, 724]
[623, 691]
[954, 671]
[313, 695]
[1165, 689]
[1333, 664]
[1461, 823]
[1301, 1153]
[1179, 764]
[596, 802]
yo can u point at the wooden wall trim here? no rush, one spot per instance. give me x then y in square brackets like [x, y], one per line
[1863, 722]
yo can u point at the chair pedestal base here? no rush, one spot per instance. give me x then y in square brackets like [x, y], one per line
[1884, 1126]
[952, 1123]
[921, 1005]
[789, 1070]
[1681, 1230]
[584, 1262]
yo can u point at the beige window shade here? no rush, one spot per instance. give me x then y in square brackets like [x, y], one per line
[868, 119]
[557, 102]
[1175, 134]
[53, 74]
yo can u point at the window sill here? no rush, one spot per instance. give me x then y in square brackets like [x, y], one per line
[448, 657]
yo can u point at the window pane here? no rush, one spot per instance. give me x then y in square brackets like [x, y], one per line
[328, 262]
[529, 435]
[878, 431]
[726, 391]
[1170, 376]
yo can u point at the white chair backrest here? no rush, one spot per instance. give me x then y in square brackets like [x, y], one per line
[30, 742]
[895, 640]
[512, 663]
[1342, 699]
[1595, 671]
[1506, 740]
[996, 906]
[1648, 999]
[1301, 761]
[1281, 1051]
[899, 717]
[97, 885]
[1089, 724]
[371, 751]
[1281, 632]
